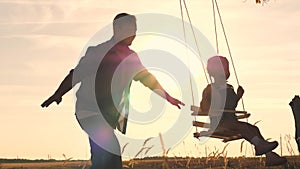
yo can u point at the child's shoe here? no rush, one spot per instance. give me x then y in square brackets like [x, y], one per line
[273, 159]
[265, 147]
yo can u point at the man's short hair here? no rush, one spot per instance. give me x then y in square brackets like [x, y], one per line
[122, 18]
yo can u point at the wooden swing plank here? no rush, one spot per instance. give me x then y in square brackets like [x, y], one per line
[197, 111]
[202, 134]
[219, 131]
[238, 117]
[207, 125]
[218, 135]
[201, 124]
[243, 116]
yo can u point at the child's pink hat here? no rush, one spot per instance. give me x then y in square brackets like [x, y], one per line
[217, 64]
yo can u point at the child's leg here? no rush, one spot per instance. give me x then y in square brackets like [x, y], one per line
[247, 130]
[252, 134]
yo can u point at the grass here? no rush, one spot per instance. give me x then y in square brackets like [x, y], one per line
[45, 165]
[215, 159]
[159, 163]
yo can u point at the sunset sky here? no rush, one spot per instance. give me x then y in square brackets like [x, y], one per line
[42, 40]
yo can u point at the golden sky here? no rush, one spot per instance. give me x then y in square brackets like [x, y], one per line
[42, 40]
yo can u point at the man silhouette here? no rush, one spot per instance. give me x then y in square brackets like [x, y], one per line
[105, 74]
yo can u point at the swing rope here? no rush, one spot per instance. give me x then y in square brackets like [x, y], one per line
[215, 26]
[195, 39]
[215, 7]
[185, 40]
[227, 43]
[185, 43]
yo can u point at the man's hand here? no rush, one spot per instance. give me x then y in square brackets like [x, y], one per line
[175, 102]
[240, 92]
[50, 100]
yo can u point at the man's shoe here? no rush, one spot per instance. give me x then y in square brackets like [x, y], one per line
[265, 147]
[273, 159]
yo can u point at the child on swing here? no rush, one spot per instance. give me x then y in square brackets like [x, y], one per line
[221, 96]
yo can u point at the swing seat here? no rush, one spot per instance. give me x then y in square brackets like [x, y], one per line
[219, 133]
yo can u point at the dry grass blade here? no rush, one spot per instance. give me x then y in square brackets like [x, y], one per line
[162, 144]
[148, 149]
[132, 163]
[165, 164]
[168, 151]
[216, 154]
[225, 160]
[125, 166]
[254, 124]
[148, 139]
[242, 143]
[224, 148]
[66, 159]
[252, 150]
[144, 148]
[188, 163]
[141, 150]
[177, 162]
[207, 158]
[123, 148]
[268, 139]
[289, 145]
[222, 153]
[84, 165]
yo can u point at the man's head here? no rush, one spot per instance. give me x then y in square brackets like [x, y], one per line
[218, 67]
[124, 27]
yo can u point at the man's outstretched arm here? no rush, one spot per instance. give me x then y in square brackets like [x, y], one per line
[65, 86]
[151, 82]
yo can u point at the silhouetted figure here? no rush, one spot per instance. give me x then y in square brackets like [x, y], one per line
[105, 74]
[295, 105]
[221, 96]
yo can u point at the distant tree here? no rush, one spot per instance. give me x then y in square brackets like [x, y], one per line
[261, 1]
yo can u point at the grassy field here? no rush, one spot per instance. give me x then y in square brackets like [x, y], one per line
[162, 163]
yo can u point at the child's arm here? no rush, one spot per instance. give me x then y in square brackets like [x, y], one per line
[206, 99]
[240, 92]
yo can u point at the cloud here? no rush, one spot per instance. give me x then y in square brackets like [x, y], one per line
[287, 6]
[32, 17]
[44, 38]
[22, 11]
[29, 60]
